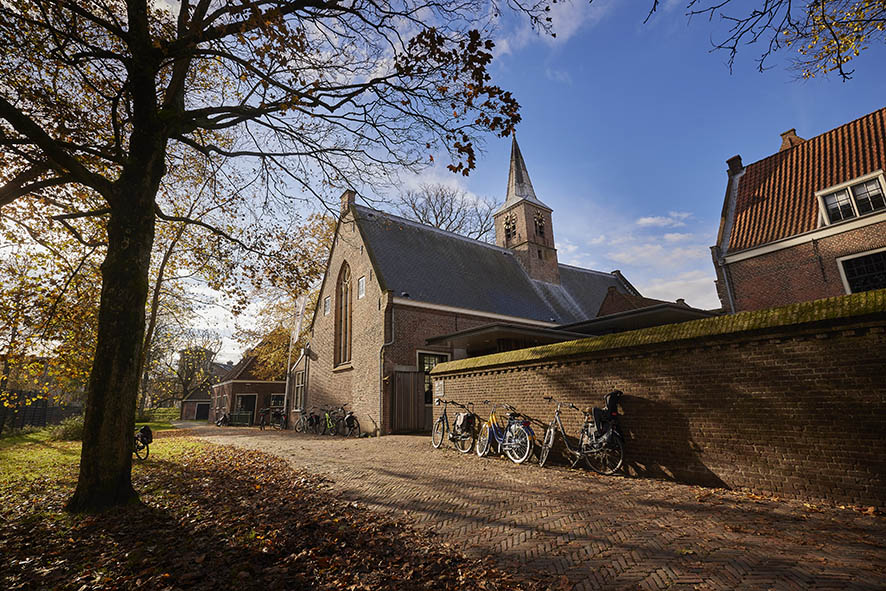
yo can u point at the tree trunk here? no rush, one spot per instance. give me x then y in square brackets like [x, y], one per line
[106, 458]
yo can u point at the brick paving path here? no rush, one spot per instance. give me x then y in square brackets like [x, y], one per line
[599, 532]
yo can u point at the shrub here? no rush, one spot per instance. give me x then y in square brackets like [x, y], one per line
[70, 429]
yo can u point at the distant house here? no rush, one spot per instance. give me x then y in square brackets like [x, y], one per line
[241, 394]
[807, 222]
[196, 404]
[392, 285]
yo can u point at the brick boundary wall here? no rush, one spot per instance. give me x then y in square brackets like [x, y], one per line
[788, 401]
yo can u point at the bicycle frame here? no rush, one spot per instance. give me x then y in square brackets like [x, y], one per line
[498, 433]
[576, 452]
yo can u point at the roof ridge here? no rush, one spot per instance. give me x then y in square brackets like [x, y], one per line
[815, 137]
[417, 224]
[586, 270]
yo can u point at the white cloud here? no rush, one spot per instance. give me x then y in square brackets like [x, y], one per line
[696, 287]
[676, 237]
[567, 19]
[561, 76]
[674, 219]
[662, 257]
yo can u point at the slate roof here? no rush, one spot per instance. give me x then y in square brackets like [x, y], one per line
[776, 196]
[438, 267]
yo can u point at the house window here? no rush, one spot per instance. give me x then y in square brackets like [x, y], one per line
[343, 316]
[539, 224]
[510, 227]
[327, 304]
[361, 287]
[865, 272]
[854, 200]
[277, 399]
[299, 389]
[427, 362]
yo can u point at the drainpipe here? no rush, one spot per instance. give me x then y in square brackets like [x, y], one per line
[381, 370]
[721, 263]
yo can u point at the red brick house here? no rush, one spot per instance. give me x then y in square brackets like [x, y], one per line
[241, 394]
[392, 284]
[808, 222]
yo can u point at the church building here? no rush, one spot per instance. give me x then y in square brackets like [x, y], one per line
[399, 296]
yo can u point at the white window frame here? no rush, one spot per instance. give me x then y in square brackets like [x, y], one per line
[854, 255]
[824, 220]
[418, 353]
[361, 287]
[327, 305]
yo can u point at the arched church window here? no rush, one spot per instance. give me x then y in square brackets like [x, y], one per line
[539, 224]
[343, 316]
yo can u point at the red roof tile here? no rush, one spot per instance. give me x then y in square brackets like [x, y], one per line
[776, 196]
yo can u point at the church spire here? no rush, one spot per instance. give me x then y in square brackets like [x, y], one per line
[519, 185]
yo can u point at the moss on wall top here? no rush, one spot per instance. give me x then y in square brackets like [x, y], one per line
[857, 304]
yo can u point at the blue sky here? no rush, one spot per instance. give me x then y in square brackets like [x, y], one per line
[627, 127]
[626, 131]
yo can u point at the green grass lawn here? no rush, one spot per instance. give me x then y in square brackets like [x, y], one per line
[210, 517]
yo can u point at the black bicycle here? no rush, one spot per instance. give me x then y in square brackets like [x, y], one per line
[223, 421]
[143, 439]
[600, 442]
[275, 417]
[464, 428]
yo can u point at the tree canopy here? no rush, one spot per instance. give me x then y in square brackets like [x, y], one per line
[278, 100]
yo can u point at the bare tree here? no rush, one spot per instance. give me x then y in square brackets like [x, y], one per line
[450, 209]
[826, 33]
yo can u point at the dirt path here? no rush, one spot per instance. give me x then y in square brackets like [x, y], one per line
[599, 532]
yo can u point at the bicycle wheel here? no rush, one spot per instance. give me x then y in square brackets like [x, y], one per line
[608, 458]
[354, 429]
[278, 422]
[483, 441]
[141, 450]
[550, 435]
[464, 442]
[437, 433]
[517, 444]
[318, 426]
[261, 424]
[300, 424]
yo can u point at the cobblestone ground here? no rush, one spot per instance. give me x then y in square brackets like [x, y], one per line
[599, 532]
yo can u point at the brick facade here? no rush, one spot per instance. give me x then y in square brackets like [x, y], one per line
[796, 410]
[384, 333]
[807, 271]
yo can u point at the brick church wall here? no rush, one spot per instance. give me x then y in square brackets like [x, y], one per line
[790, 401]
[355, 383]
[803, 272]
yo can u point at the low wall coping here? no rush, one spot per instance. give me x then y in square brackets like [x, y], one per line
[835, 308]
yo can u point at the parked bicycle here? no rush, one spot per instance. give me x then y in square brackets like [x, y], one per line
[463, 430]
[223, 421]
[347, 425]
[143, 439]
[515, 439]
[600, 442]
[303, 423]
[275, 417]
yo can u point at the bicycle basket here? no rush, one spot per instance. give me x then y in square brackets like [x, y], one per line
[145, 434]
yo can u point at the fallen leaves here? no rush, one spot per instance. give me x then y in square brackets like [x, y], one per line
[220, 517]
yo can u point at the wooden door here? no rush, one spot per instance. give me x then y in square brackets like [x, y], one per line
[408, 404]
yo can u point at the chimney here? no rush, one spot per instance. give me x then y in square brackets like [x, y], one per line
[735, 165]
[682, 302]
[347, 200]
[789, 139]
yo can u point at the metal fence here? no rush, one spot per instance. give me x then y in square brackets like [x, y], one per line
[31, 409]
